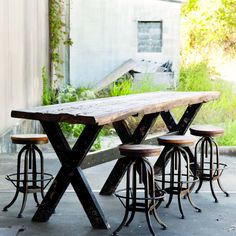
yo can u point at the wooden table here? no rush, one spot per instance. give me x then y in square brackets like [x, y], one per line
[95, 114]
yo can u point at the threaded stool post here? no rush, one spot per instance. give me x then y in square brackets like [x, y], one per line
[179, 177]
[212, 169]
[135, 198]
[27, 180]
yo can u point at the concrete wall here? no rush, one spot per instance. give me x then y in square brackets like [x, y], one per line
[23, 53]
[104, 33]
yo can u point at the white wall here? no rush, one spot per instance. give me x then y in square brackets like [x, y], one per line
[104, 33]
[23, 52]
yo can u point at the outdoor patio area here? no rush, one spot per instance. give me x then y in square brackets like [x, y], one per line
[111, 112]
[70, 219]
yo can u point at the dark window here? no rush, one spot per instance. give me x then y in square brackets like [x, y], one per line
[149, 36]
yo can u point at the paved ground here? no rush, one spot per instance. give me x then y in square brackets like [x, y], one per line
[215, 219]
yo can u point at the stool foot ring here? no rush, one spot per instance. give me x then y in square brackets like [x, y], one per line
[209, 170]
[179, 179]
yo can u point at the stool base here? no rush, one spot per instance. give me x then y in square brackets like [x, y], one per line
[209, 171]
[140, 199]
[28, 182]
[177, 182]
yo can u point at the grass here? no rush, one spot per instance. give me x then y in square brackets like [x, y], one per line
[193, 77]
[121, 87]
[222, 112]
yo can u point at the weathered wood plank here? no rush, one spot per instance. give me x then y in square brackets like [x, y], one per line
[107, 110]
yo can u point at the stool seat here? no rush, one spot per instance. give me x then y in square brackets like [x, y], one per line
[180, 140]
[177, 178]
[206, 152]
[141, 193]
[206, 130]
[139, 150]
[30, 178]
[29, 139]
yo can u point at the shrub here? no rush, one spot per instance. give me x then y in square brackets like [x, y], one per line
[199, 77]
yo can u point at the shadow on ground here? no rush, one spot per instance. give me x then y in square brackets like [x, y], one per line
[69, 219]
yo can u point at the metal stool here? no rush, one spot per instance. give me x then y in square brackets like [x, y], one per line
[212, 169]
[177, 181]
[145, 197]
[31, 180]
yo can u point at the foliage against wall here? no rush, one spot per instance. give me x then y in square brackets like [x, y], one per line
[209, 24]
[58, 37]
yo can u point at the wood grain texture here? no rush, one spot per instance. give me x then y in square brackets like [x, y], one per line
[206, 130]
[29, 138]
[140, 150]
[107, 110]
[176, 140]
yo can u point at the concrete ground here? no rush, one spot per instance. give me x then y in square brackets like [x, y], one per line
[69, 219]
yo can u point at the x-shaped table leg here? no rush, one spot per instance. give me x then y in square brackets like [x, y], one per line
[125, 135]
[139, 135]
[70, 172]
[178, 128]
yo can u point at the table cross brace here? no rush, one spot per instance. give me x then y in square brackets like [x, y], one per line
[139, 135]
[70, 172]
[125, 135]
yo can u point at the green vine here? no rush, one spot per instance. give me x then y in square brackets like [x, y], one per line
[58, 36]
[58, 33]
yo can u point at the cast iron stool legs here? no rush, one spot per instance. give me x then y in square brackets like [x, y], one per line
[178, 185]
[133, 201]
[214, 169]
[22, 184]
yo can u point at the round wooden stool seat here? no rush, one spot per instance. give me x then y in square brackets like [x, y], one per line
[139, 150]
[180, 140]
[30, 176]
[141, 193]
[206, 131]
[29, 139]
[207, 155]
[176, 179]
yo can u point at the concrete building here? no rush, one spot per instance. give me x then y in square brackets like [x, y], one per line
[23, 53]
[107, 33]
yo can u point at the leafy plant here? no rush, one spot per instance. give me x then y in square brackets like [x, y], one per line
[67, 94]
[198, 77]
[85, 94]
[228, 139]
[207, 25]
[48, 97]
[58, 36]
[121, 87]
